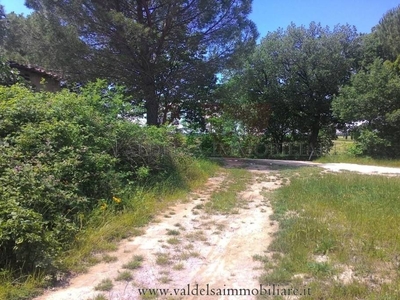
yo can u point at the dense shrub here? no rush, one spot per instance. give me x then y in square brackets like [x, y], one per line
[62, 156]
[7, 75]
[373, 143]
[373, 97]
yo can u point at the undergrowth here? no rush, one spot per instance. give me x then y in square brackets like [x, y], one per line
[76, 177]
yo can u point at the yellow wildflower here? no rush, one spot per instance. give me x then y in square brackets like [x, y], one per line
[116, 200]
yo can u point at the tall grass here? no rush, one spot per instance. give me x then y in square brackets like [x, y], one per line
[27, 286]
[350, 221]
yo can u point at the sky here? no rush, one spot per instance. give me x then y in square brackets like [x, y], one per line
[269, 15]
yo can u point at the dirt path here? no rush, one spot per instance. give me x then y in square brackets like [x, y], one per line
[187, 246]
[365, 169]
[334, 167]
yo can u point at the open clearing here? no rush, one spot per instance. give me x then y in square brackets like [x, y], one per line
[189, 244]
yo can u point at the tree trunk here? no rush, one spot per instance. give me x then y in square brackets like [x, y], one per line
[313, 141]
[152, 110]
[151, 98]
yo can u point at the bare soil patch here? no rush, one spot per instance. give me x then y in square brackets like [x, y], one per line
[185, 245]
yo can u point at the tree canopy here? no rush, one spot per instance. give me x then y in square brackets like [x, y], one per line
[162, 50]
[294, 74]
[388, 33]
[41, 40]
[199, 58]
[2, 22]
[373, 96]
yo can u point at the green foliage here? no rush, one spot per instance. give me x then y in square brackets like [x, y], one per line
[221, 139]
[371, 48]
[65, 156]
[2, 17]
[348, 151]
[388, 33]
[355, 150]
[286, 88]
[44, 41]
[373, 97]
[370, 143]
[227, 137]
[8, 76]
[172, 53]
[252, 112]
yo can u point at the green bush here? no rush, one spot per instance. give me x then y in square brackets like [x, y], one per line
[371, 143]
[355, 150]
[8, 76]
[62, 156]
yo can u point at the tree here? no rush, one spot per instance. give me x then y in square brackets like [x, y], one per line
[238, 104]
[153, 46]
[41, 40]
[2, 22]
[295, 74]
[371, 48]
[388, 33]
[7, 75]
[269, 90]
[373, 96]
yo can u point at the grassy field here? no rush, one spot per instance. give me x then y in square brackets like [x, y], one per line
[341, 145]
[340, 154]
[339, 236]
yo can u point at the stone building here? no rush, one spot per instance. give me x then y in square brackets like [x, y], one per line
[40, 79]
